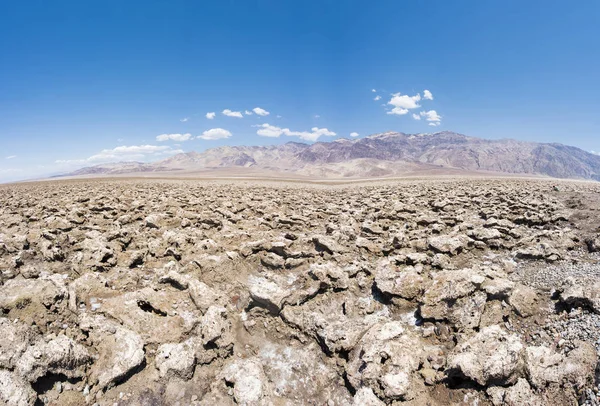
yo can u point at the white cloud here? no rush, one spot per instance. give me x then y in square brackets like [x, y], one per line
[174, 137]
[183, 120]
[416, 116]
[354, 134]
[427, 95]
[434, 124]
[260, 112]
[248, 113]
[431, 115]
[211, 115]
[267, 130]
[593, 152]
[398, 111]
[11, 157]
[403, 103]
[123, 153]
[215, 134]
[377, 98]
[230, 113]
[279, 116]
[373, 90]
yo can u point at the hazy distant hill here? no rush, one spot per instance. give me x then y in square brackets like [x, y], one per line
[383, 154]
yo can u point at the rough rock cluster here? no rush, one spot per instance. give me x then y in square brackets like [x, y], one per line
[147, 292]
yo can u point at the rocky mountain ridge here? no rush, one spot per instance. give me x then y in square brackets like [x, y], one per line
[385, 154]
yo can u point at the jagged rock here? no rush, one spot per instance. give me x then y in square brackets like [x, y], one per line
[366, 397]
[272, 261]
[97, 253]
[120, 351]
[499, 288]
[329, 245]
[21, 293]
[446, 245]
[215, 327]
[16, 337]
[485, 234]
[386, 360]
[451, 285]
[465, 312]
[406, 283]
[593, 243]
[249, 381]
[60, 355]
[583, 293]
[338, 320]
[288, 366]
[147, 312]
[545, 366]
[330, 275]
[201, 294]
[272, 290]
[491, 356]
[176, 359]
[524, 301]
[520, 394]
[14, 391]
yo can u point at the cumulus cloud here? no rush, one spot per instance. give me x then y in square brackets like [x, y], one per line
[124, 153]
[174, 137]
[260, 112]
[211, 115]
[230, 113]
[248, 113]
[377, 98]
[373, 90]
[431, 116]
[11, 157]
[427, 95]
[354, 134]
[215, 134]
[185, 119]
[416, 116]
[402, 103]
[267, 130]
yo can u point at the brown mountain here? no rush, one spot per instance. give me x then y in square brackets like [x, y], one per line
[386, 154]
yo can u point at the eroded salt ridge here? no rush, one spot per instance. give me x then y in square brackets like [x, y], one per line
[153, 292]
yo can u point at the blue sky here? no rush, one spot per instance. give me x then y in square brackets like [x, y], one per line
[83, 82]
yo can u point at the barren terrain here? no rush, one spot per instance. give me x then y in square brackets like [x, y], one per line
[185, 292]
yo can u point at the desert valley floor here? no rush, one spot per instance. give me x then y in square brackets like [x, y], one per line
[185, 292]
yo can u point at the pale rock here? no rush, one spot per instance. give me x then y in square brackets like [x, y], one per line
[446, 244]
[14, 391]
[176, 359]
[60, 355]
[248, 379]
[524, 301]
[520, 394]
[366, 397]
[386, 359]
[406, 283]
[491, 356]
[120, 351]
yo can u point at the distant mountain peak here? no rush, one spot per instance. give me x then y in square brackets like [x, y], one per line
[385, 154]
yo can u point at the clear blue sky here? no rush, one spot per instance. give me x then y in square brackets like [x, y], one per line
[81, 78]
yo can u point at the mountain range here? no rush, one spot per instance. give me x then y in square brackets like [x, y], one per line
[379, 155]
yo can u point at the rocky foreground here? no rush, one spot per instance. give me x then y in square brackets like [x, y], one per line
[470, 292]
